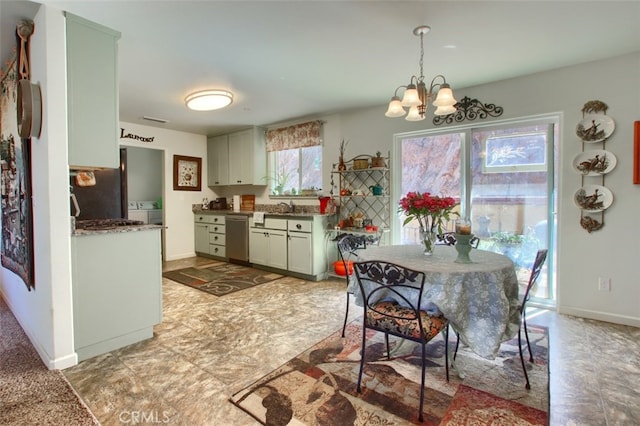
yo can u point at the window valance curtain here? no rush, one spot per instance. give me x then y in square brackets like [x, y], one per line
[297, 136]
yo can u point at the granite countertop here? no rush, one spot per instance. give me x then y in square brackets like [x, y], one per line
[116, 230]
[109, 226]
[199, 210]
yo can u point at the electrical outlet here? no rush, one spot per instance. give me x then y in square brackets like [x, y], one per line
[604, 284]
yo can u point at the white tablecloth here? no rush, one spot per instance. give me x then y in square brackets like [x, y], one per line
[480, 299]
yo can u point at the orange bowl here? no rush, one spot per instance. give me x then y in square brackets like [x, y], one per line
[339, 269]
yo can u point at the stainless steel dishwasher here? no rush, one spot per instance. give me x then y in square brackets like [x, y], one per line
[237, 238]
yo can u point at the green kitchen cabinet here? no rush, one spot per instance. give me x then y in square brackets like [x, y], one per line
[218, 160]
[247, 157]
[117, 289]
[92, 94]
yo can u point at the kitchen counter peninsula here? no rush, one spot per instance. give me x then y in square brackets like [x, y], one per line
[117, 287]
[108, 226]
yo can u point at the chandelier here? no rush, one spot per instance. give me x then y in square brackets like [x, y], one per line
[416, 96]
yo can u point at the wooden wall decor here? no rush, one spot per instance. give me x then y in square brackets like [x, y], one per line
[15, 152]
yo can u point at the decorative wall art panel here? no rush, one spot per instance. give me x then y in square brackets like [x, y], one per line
[17, 215]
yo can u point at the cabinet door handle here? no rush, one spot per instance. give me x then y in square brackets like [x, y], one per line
[298, 226]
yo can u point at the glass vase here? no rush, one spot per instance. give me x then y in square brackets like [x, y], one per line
[428, 241]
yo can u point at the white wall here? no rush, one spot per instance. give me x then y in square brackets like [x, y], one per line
[177, 205]
[46, 312]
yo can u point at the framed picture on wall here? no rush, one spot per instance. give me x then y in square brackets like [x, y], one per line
[187, 173]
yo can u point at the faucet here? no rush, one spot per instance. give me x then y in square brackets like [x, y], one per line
[290, 207]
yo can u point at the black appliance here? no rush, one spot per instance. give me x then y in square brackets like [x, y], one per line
[107, 199]
[219, 203]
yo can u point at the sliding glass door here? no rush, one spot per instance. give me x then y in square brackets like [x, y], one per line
[502, 175]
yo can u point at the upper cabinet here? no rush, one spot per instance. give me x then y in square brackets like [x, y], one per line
[218, 160]
[92, 94]
[244, 162]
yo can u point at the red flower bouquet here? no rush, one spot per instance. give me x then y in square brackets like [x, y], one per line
[430, 211]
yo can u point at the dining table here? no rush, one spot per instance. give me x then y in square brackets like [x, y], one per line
[479, 298]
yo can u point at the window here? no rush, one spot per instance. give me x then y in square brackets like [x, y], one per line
[295, 171]
[295, 159]
[503, 177]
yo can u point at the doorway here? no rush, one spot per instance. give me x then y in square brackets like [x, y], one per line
[145, 186]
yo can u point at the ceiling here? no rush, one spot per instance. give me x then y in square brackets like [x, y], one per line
[288, 60]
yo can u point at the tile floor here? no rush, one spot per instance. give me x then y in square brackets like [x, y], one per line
[207, 348]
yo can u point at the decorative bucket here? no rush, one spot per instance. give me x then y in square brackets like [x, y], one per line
[323, 204]
[360, 164]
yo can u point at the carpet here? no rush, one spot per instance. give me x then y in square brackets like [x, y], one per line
[221, 278]
[318, 387]
[31, 394]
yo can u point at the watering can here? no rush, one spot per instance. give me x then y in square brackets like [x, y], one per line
[376, 189]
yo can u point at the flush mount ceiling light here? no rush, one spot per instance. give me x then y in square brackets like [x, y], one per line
[416, 96]
[208, 100]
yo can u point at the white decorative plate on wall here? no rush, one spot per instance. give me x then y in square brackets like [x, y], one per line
[595, 128]
[593, 198]
[594, 163]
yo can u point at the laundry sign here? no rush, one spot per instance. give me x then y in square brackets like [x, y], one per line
[125, 135]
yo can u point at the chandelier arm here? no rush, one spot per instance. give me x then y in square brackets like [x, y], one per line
[398, 88]
[434, 84]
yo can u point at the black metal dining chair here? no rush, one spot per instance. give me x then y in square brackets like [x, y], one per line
[392, 296]
[348, 247]
[541, 256]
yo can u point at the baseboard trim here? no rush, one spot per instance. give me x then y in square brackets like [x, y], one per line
[600, 316]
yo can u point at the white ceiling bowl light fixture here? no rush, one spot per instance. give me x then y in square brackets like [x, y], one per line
[208, 100]
[416, 96]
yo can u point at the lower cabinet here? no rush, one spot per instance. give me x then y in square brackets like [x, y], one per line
[218, 237]
[202, 237]
[268, 246]
[300, 250]
[210, 235]
[294, 244]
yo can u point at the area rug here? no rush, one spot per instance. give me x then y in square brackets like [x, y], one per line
[221, 278]
[318, 387]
